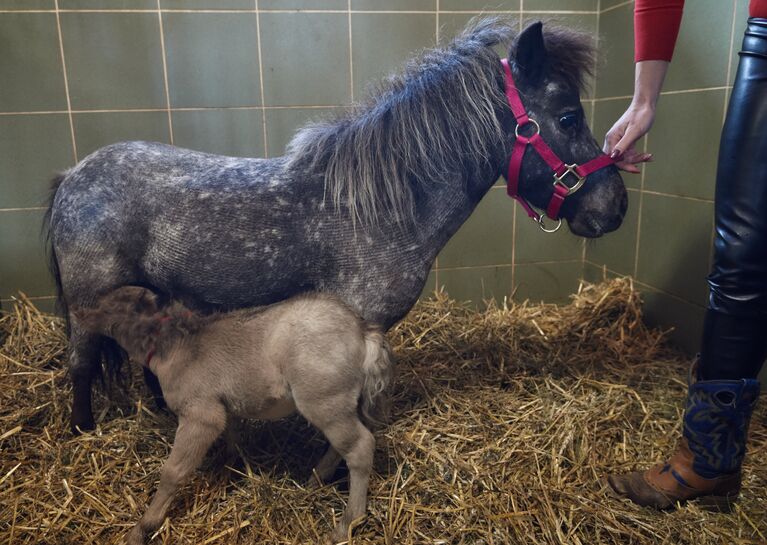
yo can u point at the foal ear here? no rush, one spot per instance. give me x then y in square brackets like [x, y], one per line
[530, 57]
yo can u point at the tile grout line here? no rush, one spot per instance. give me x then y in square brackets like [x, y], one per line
[508, 265]
[310, 11]
[593, 113]
[66, 81]
[639, 211]
[351, 50]
[261, 77]
[180, 109]
[436, 39]
[729, 60]
[165, 72]
[667, 93]
[436, 28]
[617, 6]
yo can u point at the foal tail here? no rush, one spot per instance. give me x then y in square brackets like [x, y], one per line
[377, 371]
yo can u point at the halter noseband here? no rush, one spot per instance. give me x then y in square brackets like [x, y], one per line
[560, 169]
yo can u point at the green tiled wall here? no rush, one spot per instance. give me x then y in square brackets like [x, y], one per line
[665, 243]
[237, 77]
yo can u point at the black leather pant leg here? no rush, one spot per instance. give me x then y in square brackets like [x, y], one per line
[735, 330]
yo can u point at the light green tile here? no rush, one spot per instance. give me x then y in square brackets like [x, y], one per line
[561, 5]
[685, 144]
[322, 76]
[617, 250]
[94, 130]
[23, 266]
[606, 4]
[32, 149]
[382, 43]
[226, 132]
[478, 5]
[26, 4]
[674, 245]
[31, 77]
[547, 282]
[595, 274]
[303, 4]
[282, 124]
[208, 4]
[477, 284]
[486, 237]
[702, 51]
[43, 304]
[615, 70]
[741, 18]
[108, 4]
[533, 245]
[212, 59]
[663, 311]
[114, 60]
[394, 5]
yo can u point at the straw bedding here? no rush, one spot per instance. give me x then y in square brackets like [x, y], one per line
[503, 424]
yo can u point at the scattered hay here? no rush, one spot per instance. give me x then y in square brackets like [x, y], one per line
[504, 422]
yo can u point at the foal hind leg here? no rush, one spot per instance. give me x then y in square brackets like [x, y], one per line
[198, 427]
[84, 361]
[337, 418]
[325, 468]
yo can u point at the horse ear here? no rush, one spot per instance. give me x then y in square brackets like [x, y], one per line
[530, 56]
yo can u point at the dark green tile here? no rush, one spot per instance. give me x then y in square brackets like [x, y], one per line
[485, 239]
[429, 287]
[478, 5]
[663, 311]
[94, 130]
[26, 4]
[477, 284]
[32, 149]
[741, 17]
[615, 70]
[617, 250]
[394, 5]
[561, 5]
[532, 244]
[23, 266]
[212, 59]
[114, 60]
[208, 4]
[30, 65]
[108, 4]
[323, 50]
[685, 143]
[382, 43]
[547, 282]
[674, 245]
[606, 113]
[226, 132]
[701, 56]
[282, 124]
[303, 4]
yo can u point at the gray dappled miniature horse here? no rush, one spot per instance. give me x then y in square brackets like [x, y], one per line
[359, 206]
[311, 354]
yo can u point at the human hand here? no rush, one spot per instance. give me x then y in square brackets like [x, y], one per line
[621, 139]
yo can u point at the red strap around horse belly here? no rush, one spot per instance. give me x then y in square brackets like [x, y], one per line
[558, 167]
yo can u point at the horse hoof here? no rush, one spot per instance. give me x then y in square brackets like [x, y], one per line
[136, 536]
[80, 427]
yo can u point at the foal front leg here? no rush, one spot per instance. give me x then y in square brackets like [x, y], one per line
[198, 428]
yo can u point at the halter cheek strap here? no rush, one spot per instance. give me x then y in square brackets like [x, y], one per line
[560, 169]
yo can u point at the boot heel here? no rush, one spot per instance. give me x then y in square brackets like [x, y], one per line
[717, 504]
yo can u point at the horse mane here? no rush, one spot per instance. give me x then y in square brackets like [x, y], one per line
[437, 119]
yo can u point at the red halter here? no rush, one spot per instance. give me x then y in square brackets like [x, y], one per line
[559, 167]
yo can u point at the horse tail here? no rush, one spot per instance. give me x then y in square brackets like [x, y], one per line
[53, 262]
[377, 371]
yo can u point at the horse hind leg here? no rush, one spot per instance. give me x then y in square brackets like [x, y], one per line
[84, 362]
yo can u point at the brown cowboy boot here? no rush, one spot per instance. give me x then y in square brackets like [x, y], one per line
[706, 464]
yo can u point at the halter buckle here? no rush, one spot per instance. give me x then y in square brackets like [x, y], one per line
[543, 227]
[560, 179]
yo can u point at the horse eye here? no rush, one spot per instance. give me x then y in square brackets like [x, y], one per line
[569, 120]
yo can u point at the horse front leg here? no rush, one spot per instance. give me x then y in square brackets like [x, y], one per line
[84, 361]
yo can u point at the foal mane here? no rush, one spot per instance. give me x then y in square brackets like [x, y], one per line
[436, 120]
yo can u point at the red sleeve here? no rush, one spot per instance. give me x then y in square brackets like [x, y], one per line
[656, 27]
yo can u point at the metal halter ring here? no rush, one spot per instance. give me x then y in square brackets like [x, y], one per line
[529, 120]
[570, 169]
[543, 225]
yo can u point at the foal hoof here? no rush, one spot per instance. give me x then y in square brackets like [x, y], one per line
[81, 426]
[136, 536]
